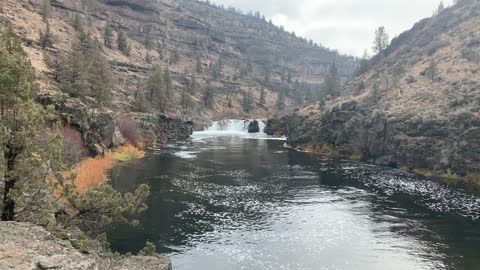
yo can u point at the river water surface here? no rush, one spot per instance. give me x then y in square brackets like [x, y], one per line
[229, 200]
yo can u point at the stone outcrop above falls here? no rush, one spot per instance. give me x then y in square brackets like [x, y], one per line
[26, 246]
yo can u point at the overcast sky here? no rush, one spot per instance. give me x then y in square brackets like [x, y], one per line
[345, 25]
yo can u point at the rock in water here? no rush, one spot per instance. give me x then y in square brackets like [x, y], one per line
[253, 127]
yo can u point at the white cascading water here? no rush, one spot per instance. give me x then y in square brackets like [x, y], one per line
[233, 126]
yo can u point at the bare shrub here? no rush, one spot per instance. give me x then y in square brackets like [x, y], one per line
[129, 129]
[73, 148]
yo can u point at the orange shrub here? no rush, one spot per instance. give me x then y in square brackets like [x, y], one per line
[92, 171]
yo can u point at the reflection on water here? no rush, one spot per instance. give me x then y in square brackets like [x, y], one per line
[230, 202]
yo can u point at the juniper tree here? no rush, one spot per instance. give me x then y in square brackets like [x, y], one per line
[100, 75]
[198, 65]
[25, 131]
[280, 104]
[208, 97]
[331, 85]
[248, 102]
[77, 22]
[45, 10]
[262, 100]
[432, 70]
[46, 37]
[122, 43]
[108, 35]
[381, 40]
[73, 71]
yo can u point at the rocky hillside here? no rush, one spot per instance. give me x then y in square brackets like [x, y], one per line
[223, 50]
[26, 246]
[417, 104]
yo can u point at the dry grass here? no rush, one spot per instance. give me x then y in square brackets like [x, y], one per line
[422, 172]
[326, 150]
[94, 171]
[125, 153]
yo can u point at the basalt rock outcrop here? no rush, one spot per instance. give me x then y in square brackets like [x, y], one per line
[100, 130]
[26, 246]
[253, 127]
[413, 107]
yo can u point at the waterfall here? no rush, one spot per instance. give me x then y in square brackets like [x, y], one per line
[236, 128]
[233, 126]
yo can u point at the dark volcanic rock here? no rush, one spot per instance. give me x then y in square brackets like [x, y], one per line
[253, 127]
[100, 130]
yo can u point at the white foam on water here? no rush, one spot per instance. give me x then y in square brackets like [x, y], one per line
[186, 154]
[235, 127]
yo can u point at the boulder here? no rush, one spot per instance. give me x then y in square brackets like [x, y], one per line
[27, 246]
[253, 127]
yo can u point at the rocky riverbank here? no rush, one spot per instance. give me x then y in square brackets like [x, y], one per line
[416, 105]
[26, 246]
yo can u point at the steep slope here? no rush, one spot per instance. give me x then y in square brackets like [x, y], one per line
[417, 105]
[231, 53]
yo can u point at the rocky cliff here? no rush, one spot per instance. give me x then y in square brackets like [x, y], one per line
[232, 53]
[26, 246]
[417, 105]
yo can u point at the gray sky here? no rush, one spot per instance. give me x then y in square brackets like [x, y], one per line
[345, 25]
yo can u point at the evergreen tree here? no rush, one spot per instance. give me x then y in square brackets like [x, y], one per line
[198, 65]
[175, 57]
[267, 74]
[364, 64]
[73, 75]
[432, 70]
[108, 35]
[25, 128]
[85, 71]
[46, 37]
[280, 104]
[440, 8]
[154, 88]
[262, 100]
[122, 43]
[100, 76]
[248, 102]
[45, 10]
[78, 23]
[141, 102]
[149, 250]
[148, 40]
[381, 40]
[331, 85]
[186, 102]
[208, 97]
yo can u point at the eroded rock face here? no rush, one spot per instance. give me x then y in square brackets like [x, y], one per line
[100, 129]
[26, 246]
[397, 139]
[397, 112]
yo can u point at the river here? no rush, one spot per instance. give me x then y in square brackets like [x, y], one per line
[229, 200]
